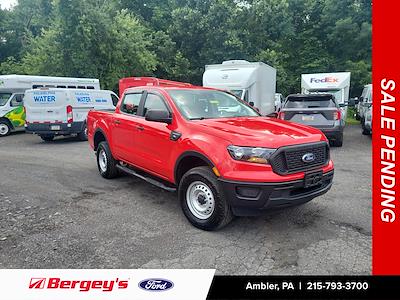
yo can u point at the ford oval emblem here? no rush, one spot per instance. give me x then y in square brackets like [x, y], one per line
[156, 285]
[308, 157]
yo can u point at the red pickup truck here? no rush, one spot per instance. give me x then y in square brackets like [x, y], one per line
[223, 158]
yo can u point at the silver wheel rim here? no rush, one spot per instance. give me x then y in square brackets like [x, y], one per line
[102, 160]
[200, 200]
[4, 129]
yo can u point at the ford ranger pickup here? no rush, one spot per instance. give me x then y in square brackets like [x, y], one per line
[221, 156]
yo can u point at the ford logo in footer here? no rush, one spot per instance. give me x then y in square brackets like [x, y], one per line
[156, 284]
[308, 157]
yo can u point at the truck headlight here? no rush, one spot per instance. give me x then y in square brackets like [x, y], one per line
[251, 154]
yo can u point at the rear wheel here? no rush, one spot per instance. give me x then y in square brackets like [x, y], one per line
[5, 128]
[83, 134]
[202, 200]
[339, 141]
[106, 163]
[47, 138]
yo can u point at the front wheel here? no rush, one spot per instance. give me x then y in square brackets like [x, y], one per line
[4, 128]
[202, 200]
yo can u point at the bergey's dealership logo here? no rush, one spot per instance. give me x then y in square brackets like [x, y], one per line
[37, 283]
[156, 284]
[81, 285]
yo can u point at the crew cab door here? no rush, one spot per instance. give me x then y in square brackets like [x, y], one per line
[124, 128]
[153, 142]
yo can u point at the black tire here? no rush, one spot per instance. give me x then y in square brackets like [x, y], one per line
[5, 128]
[82, 136]
[364, 130]
[222, 213]
[110, 170]
[339, 141]
[47, 138]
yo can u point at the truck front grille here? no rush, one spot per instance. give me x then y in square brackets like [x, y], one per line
[289, 159]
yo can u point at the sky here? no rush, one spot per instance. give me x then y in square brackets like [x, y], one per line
[7, 3]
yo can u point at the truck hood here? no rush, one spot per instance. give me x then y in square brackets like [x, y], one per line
[260, 131]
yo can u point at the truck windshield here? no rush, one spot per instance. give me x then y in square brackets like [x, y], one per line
[209, 104]
[4, 97]
[310, 102]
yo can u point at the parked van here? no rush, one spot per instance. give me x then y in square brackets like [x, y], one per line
[12, 90]
[253, 82]
[365, 102]
[51, 112]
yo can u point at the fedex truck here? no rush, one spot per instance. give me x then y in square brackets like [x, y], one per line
[253, 82]
[337, 84]
[12, 91]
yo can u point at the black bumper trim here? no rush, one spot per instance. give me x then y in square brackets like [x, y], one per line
[252, 198]
[45, 128]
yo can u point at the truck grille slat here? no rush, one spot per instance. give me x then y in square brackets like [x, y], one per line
[289, 159]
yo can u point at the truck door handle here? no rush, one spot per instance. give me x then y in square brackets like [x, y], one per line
[141, 128]
[117, 122]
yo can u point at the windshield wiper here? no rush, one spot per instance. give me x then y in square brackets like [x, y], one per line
[198, 118]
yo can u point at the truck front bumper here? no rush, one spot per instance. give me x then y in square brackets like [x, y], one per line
[251, 199]
[54, 129]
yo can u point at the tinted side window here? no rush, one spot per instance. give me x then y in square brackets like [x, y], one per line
[130, 104]
[154, 102]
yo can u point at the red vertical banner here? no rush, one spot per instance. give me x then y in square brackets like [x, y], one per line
[386, 133]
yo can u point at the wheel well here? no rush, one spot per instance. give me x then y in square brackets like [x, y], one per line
[98, 138]
[189, 162]
[6, 120]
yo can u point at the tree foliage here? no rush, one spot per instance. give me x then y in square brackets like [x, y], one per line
[174, 39]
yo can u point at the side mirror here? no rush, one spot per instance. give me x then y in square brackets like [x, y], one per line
[19, 98]
[272, 115]
[251, 103]
[158, 115]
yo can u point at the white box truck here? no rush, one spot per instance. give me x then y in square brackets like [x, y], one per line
[52, 112]
[12, 90]
[337, 84]
[253, 82]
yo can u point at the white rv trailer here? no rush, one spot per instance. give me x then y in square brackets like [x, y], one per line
[12, 90]
[337, 84]
[251, 81]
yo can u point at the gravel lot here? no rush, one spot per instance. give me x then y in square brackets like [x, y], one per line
[57, 212]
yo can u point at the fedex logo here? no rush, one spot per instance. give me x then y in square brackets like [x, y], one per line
[81, 285]
[325, 80]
